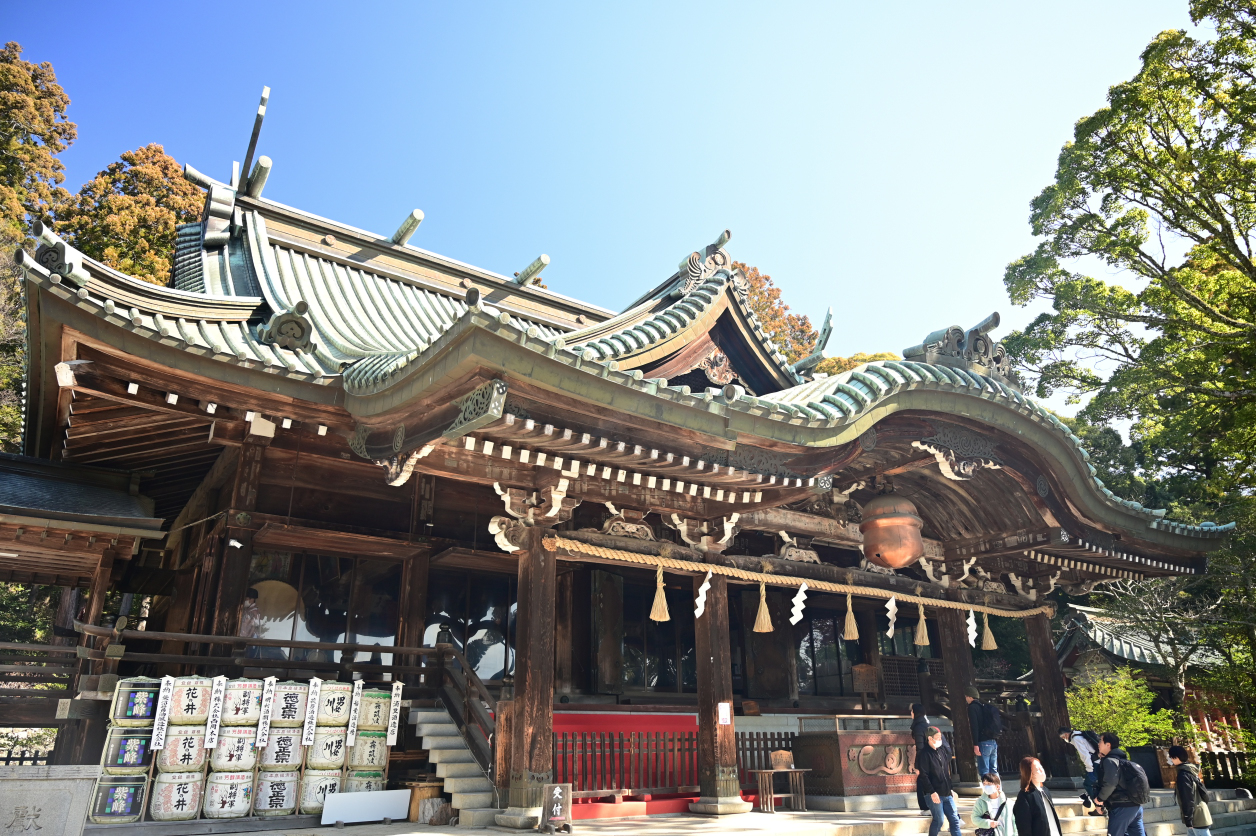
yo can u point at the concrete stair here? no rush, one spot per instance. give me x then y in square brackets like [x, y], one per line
[472, 794]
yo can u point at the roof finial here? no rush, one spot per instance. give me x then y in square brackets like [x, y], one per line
[408, 227]
[533, 270]
[257, 129]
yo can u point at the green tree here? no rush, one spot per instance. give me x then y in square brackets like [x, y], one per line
[1118, 702]
[126, 216]
[1160, 186]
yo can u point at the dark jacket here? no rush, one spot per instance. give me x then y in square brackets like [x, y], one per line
[935, 770]
[1109, 790]
[919, 728]
[1031, 812]
[1188, 787]
[977, 721]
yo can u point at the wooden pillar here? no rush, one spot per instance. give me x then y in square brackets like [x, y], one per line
[564, 606]
[414, 605]
[717, 744]
[870, 643]
[532, 722]
[237, 553]
[957, 660]
[1049, 683]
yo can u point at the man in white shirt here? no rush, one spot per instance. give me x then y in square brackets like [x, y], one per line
[1088, 752]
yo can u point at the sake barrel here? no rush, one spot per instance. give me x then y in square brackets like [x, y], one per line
[185, 750]
[134, 702]
[334, 702]
[127, 751]
[373, 711]
[118, 799]
[176, 796]
[277, 793]
[189, 706]
[288, 710]
[364, 780]
[242, 703]
[328, 751]
[282, 750]
[316, 785]
[370, 750]
[235, 751]
[228, 795]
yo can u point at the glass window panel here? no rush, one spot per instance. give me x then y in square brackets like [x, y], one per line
[446, 604]
[323, 611]
[636, 609]
[376, 608]
[680, 607]
[487, 625]
[828, 655]
[806, 660]
[661, 656]
[270, 605]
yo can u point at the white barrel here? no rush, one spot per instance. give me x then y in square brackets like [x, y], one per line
[190, 704]
[334, 702]
[235, 751]
[228, 795]
[134, 702]
[176, 796]
[373, 711]
[282, 750]
[242, 703]
[277, 793]
[185, 750]
[288, 710]
[370, 750]
[127, 751]
[316, 785]
[328, 751]
[364, 781]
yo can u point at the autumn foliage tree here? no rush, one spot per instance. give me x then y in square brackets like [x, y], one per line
[126, 216]
[791, 332]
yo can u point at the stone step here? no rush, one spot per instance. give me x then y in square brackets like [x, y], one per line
[439, 756]
[428, 716]
[457, 770]
[467, 800]
[469, 783]
[443, 741]
[478, 817]
[431, 729]
[1242, 817]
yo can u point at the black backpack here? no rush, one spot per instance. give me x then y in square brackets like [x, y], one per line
[994, 721]
[1132, 781]
[1093, 739]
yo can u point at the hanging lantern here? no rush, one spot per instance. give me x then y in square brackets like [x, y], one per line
[891, 532]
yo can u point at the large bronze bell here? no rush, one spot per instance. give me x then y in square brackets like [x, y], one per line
[891, 532]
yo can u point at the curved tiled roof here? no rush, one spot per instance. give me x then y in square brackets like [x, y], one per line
[844, 397]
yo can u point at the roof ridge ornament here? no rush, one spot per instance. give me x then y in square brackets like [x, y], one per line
[290, 329]
[56, 256]
[973, 349]
[700, 266]
[818, 353]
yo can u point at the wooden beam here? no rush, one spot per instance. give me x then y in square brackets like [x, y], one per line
[957, 662]
[717, 744]
[1006, 542]
[237, 554]
[299, 538]
[1049, 685]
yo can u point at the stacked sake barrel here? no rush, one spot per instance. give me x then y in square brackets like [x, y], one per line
[178, 786]
[229, 787]
[127, 758]
[279, 762]
[368, 757]
[325, 758]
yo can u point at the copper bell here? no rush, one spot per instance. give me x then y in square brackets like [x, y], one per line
[891, 532]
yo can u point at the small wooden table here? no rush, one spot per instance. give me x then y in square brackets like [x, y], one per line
[767, 792]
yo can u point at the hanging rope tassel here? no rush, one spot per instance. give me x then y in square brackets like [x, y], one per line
[851, 633]
[763, 622]
[922, 630]
[659, 611]
[987, 638]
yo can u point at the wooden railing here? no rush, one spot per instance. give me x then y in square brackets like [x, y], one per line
[469, 704]
[24, 757]
[754, 751]
[44, 665]
[608, 764]
[1228, 766]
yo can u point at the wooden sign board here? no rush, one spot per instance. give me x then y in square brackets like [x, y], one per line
[556, 809]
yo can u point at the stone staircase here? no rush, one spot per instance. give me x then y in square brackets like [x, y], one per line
[473, 795]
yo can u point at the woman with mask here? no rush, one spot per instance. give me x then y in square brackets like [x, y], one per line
[935, 782]
[1034, 813]
[992, 814]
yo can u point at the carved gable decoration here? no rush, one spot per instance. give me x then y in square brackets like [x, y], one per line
[973, 349]
[960, 452]
[290, 330]
[700, 266]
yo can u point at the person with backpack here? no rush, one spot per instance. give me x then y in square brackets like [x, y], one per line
[1192, 797]
[1123, 788]
[986, 722]
[935, 781]
[1086, 743]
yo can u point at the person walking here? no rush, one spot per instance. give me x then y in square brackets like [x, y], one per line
[987, 724]
[935, 781]
[1192, 797]
[1034, 812]
[1122, 790]
[1086, 744]
[991, 815]
[919, 733]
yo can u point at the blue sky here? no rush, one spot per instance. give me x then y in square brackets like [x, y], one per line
[875, 157]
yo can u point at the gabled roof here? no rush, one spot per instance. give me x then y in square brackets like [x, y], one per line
[1122, 640]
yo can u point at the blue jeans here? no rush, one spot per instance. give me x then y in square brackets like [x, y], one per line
[1198, 831]
[988, 760]
[945, 806]
[1091, 783]
[1126, 821]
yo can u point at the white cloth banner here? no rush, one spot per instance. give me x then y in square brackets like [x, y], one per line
[394, 714]
[162, 718]
[311, 711]
[355, 710]
[268, 704]
[217, 696]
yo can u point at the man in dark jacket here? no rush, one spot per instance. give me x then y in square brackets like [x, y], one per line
[935, 781]
[919, 731]
[985, 742]
[1192, 797]
[1125, 812]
